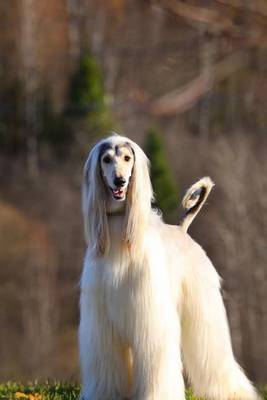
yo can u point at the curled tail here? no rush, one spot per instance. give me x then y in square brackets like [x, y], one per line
[194, 199]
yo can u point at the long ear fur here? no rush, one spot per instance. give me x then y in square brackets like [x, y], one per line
[139, 199]
[94, 205]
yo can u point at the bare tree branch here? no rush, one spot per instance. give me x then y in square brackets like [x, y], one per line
[216, 21]
[184, 98]
[255, 6]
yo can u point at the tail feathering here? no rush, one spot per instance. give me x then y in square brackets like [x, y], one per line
[194, 199]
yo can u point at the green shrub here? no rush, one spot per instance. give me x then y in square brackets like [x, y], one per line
[163, 182]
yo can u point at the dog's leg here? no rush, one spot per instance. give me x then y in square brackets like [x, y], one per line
[104, 359]
[206, 343]
[156, 358]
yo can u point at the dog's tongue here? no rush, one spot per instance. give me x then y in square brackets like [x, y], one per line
[118, 192]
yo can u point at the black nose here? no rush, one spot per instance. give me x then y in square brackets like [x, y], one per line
[119, 181]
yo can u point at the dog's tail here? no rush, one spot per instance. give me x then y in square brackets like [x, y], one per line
[194, 199]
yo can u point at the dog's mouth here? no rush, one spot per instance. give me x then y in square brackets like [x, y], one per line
[118, 193]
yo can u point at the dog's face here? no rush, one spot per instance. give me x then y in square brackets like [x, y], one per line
[116, 163]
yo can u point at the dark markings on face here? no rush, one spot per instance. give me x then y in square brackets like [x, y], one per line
[103, 148]
[119, 146]
[108, 146]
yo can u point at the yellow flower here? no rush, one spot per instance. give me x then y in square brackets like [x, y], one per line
[19, 395]
[35, 396]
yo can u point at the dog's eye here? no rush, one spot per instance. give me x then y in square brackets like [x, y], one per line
[107, 159]
[127, 158]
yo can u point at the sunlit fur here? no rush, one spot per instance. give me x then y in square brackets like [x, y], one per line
[150, 301]
[194, 199]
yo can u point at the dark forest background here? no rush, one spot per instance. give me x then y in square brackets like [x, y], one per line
[185, 79]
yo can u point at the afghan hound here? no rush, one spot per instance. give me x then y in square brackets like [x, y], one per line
[150, 297]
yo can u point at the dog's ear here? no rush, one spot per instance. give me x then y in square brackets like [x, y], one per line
[139, 199]
[94, 204]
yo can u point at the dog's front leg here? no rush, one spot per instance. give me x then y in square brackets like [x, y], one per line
[104, 359]
[156, 358]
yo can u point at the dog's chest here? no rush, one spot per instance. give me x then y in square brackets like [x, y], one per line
[141, 295]
[122, 290]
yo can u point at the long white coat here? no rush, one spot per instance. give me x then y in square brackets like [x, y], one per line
[150, 306]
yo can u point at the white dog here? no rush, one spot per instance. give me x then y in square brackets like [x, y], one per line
[150, 297]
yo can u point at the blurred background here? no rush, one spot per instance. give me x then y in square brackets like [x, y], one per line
[185, 79]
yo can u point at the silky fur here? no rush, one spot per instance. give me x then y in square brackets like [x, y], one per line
[150, 301]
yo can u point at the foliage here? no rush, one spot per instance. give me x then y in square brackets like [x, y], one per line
[86, 115]
[87, 90]
[263, 392]
[162, 180]
[50, 128]
[56, 130]
[39, 391]
[87, 97]
[57, 391]
[49, 390]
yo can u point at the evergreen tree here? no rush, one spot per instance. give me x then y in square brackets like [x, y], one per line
[87, 90]
[87, 97]
[164, 186]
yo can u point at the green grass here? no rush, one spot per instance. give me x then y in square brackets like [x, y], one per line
[39, 391]
[56, 391]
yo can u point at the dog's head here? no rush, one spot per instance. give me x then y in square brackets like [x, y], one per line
[117, 170]
[116, 162]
